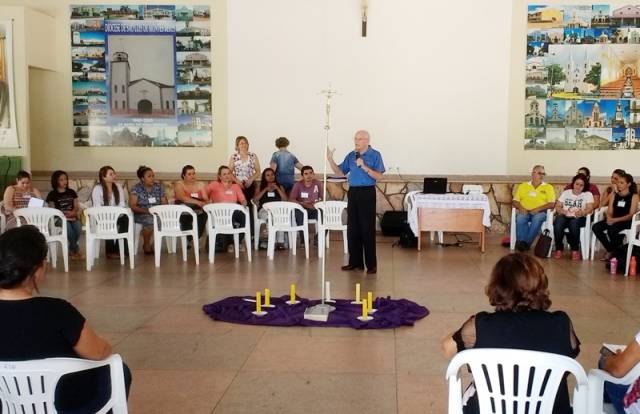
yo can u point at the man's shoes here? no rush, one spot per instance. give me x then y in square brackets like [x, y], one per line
[522, 246]
[352, 267]
[372, 271]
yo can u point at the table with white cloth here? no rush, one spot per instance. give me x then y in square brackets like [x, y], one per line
[465, 213]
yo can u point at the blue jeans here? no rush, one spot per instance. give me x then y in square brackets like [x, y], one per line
[528, 226]
[74, 229]
[574, 224]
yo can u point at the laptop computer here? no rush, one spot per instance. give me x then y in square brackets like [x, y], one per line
[435, 185]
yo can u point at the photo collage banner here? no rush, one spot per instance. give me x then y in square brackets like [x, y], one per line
[141, 75]
[582, 82]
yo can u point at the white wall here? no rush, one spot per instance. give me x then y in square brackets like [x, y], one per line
[430, 81]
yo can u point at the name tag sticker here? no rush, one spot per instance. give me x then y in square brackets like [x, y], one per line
[152, 200]
[532, 194]
[194, 195]
[271, 194]
[228, 192]
[621, 203]
[304, 195]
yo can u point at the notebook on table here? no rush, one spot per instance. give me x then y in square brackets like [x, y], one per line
[435, 185]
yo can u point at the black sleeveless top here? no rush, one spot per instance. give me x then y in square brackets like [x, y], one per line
[622, 204]
[530, 330]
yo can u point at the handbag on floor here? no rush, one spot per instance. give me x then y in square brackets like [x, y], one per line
[543, 246]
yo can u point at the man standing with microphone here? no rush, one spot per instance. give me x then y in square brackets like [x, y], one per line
[363, 167]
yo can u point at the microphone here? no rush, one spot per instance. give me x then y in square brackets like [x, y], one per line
[358, 156]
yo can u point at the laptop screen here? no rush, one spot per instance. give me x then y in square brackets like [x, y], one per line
[435, 185]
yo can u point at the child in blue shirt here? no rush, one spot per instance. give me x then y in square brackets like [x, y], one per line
[285, 163]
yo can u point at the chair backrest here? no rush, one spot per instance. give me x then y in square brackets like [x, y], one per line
[39, 217]
[510, 380]
[104, 219]
[408, 199]
[29, 386]
[168, 215]
[281, 213]
[331, 212]
[221, 214]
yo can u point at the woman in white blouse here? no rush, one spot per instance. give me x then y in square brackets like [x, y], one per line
[110, 193]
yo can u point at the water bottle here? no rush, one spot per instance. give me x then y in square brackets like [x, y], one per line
[633, 266]
[614, 266]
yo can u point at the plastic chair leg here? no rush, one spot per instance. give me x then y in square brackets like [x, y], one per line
[271, 244]
[212, 246]
[293, 241]
[247, 240]
[53, 252]
[157, 240]
[121, 249]
[236, 244]
[345, 242]
[65, 254]
[196, 246]
[183, 244]
[131, 255]
[306, 242]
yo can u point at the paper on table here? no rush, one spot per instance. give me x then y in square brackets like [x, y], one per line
[35, 202]
[614, 348]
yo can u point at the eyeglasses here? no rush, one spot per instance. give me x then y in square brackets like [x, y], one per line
[539, 173]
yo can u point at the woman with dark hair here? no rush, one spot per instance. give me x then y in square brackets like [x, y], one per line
[270, 190]
[106, 193]
[18, 195]
[572, 208]
[192, 193]
[622, 206]
[66, 200]
[519, 291]
[611, 190]
[225, 190]
[145, 194]
[43, 327]
[592, 188]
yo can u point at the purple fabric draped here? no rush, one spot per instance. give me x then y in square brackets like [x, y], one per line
[391, 313]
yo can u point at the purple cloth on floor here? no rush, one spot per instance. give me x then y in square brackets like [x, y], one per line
[391, 313]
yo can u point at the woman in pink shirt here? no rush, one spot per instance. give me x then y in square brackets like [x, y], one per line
[225, 190]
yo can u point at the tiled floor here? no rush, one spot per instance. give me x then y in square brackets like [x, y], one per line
[183, 362]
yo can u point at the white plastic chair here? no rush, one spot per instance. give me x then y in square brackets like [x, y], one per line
[408, 203]
[632, 237]
[220, 221]
[585, 234]
[3, 218]
[330, 219]
[512, 234]
[600, 215]
[29, 386]
[102, 224]
[43, 219]
[257, 224]
[502, 378]
[281, 217]
[597, 377]
[166, 223]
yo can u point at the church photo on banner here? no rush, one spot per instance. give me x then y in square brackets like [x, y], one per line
[582, 86]
[141, 75]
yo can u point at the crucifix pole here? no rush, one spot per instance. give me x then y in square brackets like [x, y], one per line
[364, 6]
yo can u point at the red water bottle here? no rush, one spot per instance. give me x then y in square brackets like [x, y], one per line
[633, 266]
[614, 266]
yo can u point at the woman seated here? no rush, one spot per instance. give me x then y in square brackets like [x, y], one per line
[225, 190]
[108, 192]
[612, 189]
[145, 194]
[572, 208]
[625, 398]
[43, 327]
[591, 187]
[270, 190]
[622, 206]
[66, 200]
[518, 288]
[18, 196]
[192, 193]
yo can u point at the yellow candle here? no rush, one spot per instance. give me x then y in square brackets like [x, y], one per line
[370, 300]
[357, 292]
[267, 297]
[364, 309]
[258, 302]
[293, 292]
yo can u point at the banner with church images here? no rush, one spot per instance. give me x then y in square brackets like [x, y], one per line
[8, 129]
[141, 75]
[582, 84]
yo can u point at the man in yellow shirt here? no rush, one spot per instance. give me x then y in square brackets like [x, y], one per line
[532, 200]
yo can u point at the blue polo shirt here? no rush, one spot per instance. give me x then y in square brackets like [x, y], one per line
[356, 175]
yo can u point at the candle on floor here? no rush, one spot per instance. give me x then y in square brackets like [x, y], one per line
[258, 302]
[293, 292]
[267, 297]
[370, 302]
[358, 292]
[364, 309]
